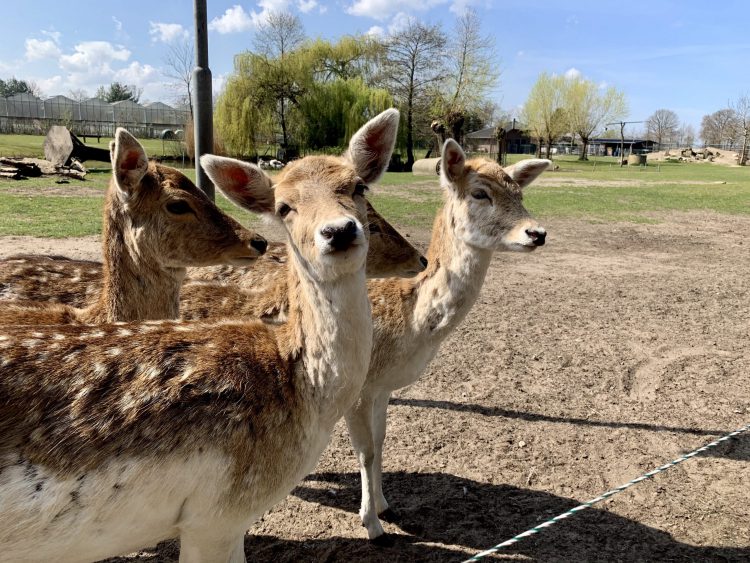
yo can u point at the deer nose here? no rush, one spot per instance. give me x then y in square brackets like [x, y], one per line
[340, 237]
[259, 243]
[537, 236]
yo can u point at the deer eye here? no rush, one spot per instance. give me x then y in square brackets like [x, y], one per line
[283, 210]
[179, 207]
[360, 189]
[479, 194]
[374, 228]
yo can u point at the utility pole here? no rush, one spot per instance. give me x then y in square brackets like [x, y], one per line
[202, 103]
[622, 125]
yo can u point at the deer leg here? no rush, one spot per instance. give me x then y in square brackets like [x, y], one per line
[379, 412]
[359, 420]
[202, 547]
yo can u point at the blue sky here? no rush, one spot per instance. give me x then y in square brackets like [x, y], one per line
[691, 57]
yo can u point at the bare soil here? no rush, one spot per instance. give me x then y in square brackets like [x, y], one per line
[615, 348]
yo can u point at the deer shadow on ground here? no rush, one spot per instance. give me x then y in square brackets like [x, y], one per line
[448, 518]
[737, 449]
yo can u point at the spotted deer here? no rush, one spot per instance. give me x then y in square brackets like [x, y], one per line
[483, 213]
[75, 282]
[156, 222]
[116, 436]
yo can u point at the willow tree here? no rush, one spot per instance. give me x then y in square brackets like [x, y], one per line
[333, 111]
[589, 107]
[238, 118]
[544, 111]
[350, 57]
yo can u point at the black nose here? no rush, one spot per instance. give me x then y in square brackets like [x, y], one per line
[537, 236]
[340, 238]
[260, 244]
[423, 260]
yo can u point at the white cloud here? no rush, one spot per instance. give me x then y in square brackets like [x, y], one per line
[50, 85]
[94, 56]
[572, 73]
[138, 74]
[399, 23]
[234, 20]
[237, 20]
[384, 9]
[376, 30]
[323, 9]
[38, 49]
[167, 32]
[118, 24]
[520, 53]
[306, 5]
[52, 34]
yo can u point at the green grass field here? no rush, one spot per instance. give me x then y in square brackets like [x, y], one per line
[594, 191]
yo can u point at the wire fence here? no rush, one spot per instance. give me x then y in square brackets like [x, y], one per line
[27, 114]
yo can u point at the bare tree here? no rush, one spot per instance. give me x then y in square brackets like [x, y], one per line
[281, 33]
[741, 109]
[277, 64]
[720, 128]
[662, 125]
[471, 73]
[686, 135]
[413, 62]
[180, 60]
[588, 107]
[544, 111]
[78, 94]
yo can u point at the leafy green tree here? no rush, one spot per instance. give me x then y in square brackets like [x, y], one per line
[544, 111]
[117, 92]
[589, 108]
[350, 57]
[14, 86]
[333, 111]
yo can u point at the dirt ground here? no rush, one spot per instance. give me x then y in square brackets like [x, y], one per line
[613, 349]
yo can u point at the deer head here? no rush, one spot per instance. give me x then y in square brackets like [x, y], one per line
[319, 200]
[166, 219]
[487, 201]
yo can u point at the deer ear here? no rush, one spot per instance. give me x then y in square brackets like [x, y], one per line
[453, 160]
[129, 161]
[244, 184]
[370, 148]
[524, 172]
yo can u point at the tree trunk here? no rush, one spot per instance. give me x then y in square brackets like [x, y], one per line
[584, 149]
[283, 123]
[549, 148]
[743, 154]
[539, 148]
[409, 132]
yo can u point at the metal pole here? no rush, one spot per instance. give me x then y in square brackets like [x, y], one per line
[202, 102]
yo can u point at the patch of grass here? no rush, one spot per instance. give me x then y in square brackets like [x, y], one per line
[33, 146]
[50, 216]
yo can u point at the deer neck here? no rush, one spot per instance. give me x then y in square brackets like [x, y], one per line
[450, 285]
[328, 334]
[135, 286]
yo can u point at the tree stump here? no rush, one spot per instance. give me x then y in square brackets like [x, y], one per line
[61, 147]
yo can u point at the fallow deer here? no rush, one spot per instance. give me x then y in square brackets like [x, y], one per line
[483, 213]
[156, 222]
[116, 436]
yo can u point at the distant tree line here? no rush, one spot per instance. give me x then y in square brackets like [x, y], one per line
[316, 93]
